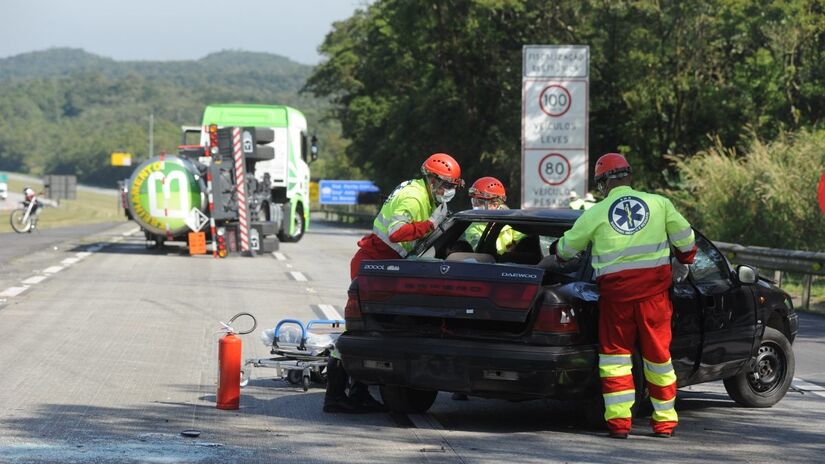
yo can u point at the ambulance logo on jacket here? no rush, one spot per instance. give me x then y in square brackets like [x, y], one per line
[628, 215]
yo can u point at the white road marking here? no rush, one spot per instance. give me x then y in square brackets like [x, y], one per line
[329, 311]
[14, 291]
[279, 256]
[298, 276]
[130, 232]
[289, 266]
[35, 279]
[69, 261]
[53, 269]
[82, 254]
[800, 384]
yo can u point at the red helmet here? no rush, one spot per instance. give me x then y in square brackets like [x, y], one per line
[488, 188]
[611, 165]
[443, 166]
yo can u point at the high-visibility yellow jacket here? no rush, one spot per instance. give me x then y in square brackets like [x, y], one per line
[631, 233]
[404, 217]
[506, 239]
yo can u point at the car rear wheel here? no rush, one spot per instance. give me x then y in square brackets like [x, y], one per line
[772, 375]
[407, 400]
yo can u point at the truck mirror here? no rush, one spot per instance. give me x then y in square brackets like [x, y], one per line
[313, 148]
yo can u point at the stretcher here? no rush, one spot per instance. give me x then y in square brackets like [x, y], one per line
[299, 356]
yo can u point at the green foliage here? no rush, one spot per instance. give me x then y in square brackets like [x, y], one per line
[408, 80]
[65, 111]
[767, 196]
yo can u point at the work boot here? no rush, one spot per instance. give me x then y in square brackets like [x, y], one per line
[360, 393]
[620, 435]
[344, 405]
[336, 399]
[664, 434]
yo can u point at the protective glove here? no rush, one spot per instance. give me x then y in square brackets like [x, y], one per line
[554, 247]
[439, 214]
[549, 262]
[680, 271]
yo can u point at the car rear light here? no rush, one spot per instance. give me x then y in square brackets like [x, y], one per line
[353, 308]
[503, 295]
[556, 319]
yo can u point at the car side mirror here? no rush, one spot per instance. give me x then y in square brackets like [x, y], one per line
[746, 274]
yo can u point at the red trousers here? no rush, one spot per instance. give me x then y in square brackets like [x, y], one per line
[622, 327]
[370, 247]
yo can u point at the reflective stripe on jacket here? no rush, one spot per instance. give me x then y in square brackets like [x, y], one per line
[409, 203]
[631, 233]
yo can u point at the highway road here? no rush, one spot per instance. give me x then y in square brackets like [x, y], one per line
[110, 351]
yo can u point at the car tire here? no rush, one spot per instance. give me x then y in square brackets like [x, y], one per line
[771, 378]
[407, 400]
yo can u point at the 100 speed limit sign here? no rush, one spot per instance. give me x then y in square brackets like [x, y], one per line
[554, 169]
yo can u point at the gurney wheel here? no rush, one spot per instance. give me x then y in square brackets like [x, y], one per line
[305, 382]
[294, 377]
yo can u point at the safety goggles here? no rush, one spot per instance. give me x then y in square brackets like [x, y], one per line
[483, 203]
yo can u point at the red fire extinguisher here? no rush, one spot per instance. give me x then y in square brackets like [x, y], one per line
[229, 365]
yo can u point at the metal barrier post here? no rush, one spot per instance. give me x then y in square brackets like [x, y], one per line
[806, 291]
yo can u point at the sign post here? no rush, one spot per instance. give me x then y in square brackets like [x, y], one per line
[554, 124]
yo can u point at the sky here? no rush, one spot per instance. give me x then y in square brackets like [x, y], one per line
[159, 30]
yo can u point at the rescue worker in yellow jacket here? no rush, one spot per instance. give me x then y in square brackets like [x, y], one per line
[411, 212]
[632, 233]
[489, 193]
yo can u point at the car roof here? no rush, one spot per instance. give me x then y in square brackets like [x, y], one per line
[560, 216]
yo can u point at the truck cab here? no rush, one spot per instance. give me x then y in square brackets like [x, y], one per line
[287, 167]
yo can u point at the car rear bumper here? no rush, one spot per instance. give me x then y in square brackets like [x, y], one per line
[482, 368]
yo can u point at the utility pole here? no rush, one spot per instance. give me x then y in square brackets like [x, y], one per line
[151, 134]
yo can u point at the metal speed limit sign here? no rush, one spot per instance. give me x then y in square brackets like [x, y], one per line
[554, 155]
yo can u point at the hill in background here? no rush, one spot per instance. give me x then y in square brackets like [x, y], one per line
[65, 110]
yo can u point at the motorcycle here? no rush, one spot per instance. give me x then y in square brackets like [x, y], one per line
[25, 219]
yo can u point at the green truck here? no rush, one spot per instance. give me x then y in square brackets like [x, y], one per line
[168, 195]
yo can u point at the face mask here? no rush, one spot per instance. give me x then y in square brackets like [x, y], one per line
[446, 196]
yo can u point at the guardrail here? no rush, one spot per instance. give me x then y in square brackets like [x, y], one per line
[349, 215]
[809, 263]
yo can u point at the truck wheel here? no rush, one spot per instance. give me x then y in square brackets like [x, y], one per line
[407, 400]
[299, 224]
[769, 381]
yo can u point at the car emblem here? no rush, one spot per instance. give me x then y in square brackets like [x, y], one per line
[445, 268]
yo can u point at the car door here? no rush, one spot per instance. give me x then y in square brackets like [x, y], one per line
[686, 327]
[728, 313]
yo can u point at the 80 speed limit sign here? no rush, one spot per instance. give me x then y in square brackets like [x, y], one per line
[554, 169]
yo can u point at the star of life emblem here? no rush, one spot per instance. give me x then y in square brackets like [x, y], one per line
[628, 215]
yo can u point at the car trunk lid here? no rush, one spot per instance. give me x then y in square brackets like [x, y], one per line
[448, 289]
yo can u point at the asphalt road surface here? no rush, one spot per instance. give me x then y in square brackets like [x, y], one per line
[110, 351]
